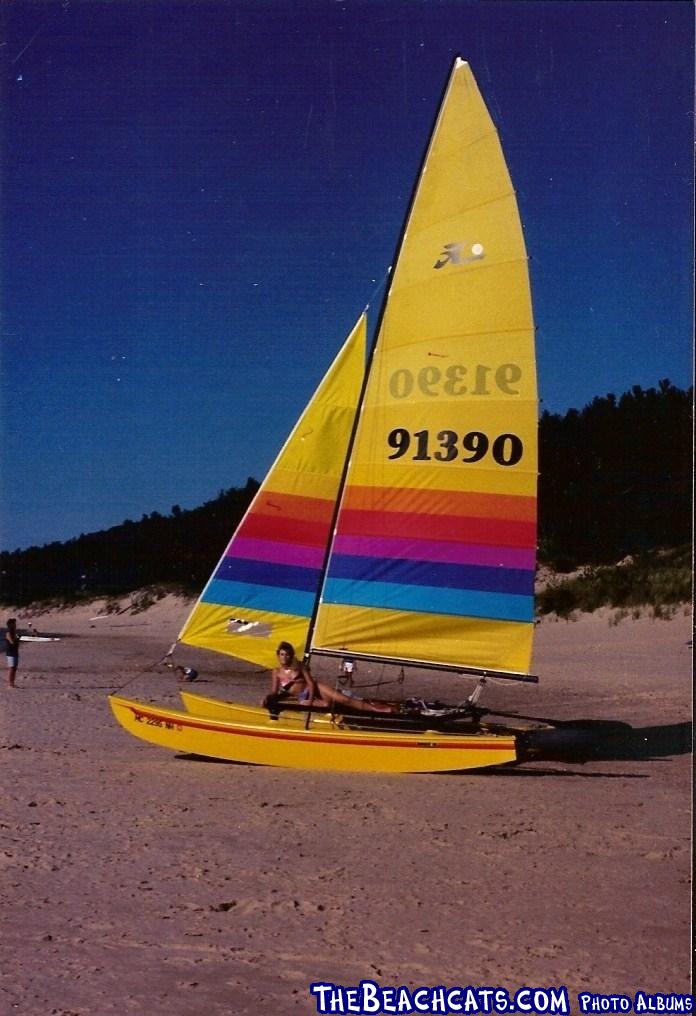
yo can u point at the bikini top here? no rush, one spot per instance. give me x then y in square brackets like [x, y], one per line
[293, 679]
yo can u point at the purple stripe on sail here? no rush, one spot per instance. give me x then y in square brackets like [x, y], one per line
[436, 550]
[279, 553]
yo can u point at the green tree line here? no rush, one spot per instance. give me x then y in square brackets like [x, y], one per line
[178, 550]
[615, 479]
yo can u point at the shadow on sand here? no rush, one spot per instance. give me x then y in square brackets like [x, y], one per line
[576, 741]
[606, 741]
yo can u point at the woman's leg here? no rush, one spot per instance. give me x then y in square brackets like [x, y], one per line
[336, 697]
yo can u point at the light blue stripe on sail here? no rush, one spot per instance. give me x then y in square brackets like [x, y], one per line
[430, 600]
[271, 598]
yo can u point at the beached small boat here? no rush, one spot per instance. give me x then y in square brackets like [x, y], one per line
[398, 523]
[279, 743]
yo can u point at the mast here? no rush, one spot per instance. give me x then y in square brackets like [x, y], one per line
[337, 503]
[373, 347]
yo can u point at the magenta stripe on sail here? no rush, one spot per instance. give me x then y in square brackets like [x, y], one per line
[279, 553]
[436, 550]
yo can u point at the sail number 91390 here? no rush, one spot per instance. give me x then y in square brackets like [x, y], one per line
[480, 380]
[505, 449]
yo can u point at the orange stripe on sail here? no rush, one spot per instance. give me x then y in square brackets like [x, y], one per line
[293, 506]
[467, 504]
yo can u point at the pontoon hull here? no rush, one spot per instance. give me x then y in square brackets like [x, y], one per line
[235, 712]
[282, 743]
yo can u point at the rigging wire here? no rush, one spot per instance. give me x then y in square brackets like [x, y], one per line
[163, 661]
[380, 284]
[140, 673]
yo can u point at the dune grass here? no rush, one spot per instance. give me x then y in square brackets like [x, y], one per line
[657, 580]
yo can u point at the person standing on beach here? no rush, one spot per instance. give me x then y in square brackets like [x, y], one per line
[12, 650]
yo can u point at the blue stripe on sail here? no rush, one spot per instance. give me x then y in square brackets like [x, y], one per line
[270, 598]
[408, 572]
[427, 600]
[269, 573]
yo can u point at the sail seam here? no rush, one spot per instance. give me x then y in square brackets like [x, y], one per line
[491, 132]
[510, 193]
[527, 331]
[473, 268]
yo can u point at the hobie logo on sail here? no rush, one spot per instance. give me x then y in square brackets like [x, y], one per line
[239, 626]
[459, 254]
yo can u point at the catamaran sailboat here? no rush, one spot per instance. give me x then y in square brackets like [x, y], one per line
[398, 522]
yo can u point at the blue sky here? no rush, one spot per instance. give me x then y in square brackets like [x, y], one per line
[199, 199]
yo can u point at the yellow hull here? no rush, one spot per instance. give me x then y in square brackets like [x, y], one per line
[282, 743]
[234, 712]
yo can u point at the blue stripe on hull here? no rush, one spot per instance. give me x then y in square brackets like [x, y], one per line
[428, 600]
[270, 598]
[407, 572]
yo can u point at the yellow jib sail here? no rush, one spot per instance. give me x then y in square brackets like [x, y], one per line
[434, 553]
[265, 587]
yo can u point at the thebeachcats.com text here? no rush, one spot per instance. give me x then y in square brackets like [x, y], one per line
[369, 997]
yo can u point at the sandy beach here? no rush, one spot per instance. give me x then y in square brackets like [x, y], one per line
[135, 881]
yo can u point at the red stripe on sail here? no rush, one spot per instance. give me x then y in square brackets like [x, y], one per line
[452, 528]
[284, 530]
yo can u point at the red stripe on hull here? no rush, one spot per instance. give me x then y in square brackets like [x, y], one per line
[338, 737]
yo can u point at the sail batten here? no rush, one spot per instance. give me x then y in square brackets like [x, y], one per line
[505, 195]
[479, 268]
[466, 335]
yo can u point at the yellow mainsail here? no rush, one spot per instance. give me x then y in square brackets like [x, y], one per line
[434, 551]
